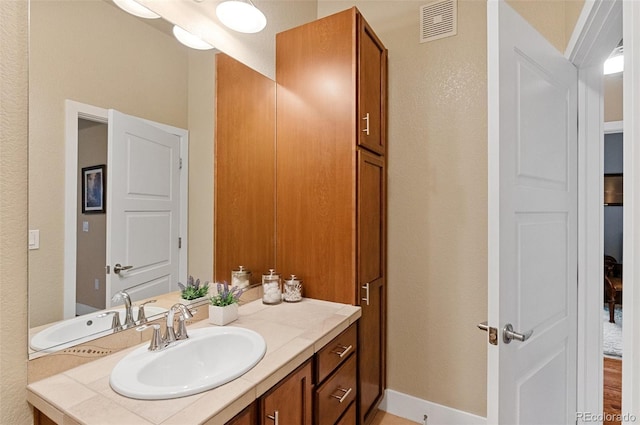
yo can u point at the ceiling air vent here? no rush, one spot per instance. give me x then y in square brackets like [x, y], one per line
[438, 19]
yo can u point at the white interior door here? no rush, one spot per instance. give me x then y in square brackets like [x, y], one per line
[143, 208]
[532, 224]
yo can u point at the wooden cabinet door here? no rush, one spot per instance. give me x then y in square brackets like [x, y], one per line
[246, 417]
[372, 84]
[291, 401]
[371, 281]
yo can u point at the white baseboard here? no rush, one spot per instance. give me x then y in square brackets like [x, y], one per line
[414, 409]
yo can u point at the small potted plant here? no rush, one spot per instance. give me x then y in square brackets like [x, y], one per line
[223, 306]
[193, 290]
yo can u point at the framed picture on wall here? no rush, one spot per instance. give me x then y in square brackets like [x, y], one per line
[613, 189]
[93, 190]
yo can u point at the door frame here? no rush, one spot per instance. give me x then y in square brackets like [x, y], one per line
[598, 30]
[631, 221]
[73, 112]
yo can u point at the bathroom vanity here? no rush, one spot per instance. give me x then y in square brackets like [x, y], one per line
[311, 349]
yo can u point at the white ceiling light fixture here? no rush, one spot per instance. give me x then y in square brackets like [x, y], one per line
[135, 8]
[615, 62]
[241, 16]
[189, 39]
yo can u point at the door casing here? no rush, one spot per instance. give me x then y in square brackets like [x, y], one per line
[597, 32]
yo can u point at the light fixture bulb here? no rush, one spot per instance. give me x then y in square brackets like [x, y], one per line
[614, 65]
[189, 39]
[135, 8]
[241, 16]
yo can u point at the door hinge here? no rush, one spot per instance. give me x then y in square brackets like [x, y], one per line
[181, 163]
[179, 242]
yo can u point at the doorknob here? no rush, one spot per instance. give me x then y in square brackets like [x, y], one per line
[118, 268]
[508, 334]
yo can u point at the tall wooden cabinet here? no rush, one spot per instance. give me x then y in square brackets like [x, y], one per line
[331, 176]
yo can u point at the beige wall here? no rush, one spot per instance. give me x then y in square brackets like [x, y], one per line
[201, 132]
[13, 212]
[552, 18]
[613, 97]
[437, 253]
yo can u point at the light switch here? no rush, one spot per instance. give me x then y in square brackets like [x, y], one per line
[85, 226]
[34, 239]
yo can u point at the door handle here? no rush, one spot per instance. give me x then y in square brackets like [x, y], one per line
[508, 334]
[118, 268]
[366, 129]
[274, 418]
[366, 288]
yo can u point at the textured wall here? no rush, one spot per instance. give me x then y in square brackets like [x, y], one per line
[554, 19]
[13, 207]
[613, 97]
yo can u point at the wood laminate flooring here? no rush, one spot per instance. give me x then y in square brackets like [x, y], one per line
[612, 395]
[384, 418]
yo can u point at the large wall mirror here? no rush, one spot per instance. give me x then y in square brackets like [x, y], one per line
[96, 55]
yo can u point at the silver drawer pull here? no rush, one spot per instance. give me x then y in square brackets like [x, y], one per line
[345, 394]
[344, 351]
[274, 417]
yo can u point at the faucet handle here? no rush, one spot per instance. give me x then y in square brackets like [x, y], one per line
[181, 333]
[142, 318]
[115, 323]
[157, 343]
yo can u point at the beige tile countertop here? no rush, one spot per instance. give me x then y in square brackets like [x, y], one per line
[293, 332]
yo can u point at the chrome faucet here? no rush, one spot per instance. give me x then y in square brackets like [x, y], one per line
[142, 318]
[128, 320]
[115, 323]
[171, 335]
[158, 341]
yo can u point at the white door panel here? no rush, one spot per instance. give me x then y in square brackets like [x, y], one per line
[143, 207]
[532, 224]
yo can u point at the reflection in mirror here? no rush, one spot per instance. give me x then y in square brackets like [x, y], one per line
[91, 52]
[94, 53]
[245, 170]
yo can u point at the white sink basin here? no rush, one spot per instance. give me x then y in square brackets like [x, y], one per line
[210, 357]
[80, 329]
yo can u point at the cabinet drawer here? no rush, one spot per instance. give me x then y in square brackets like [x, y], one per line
[336, 352]
[349, 417]
[335, 395]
